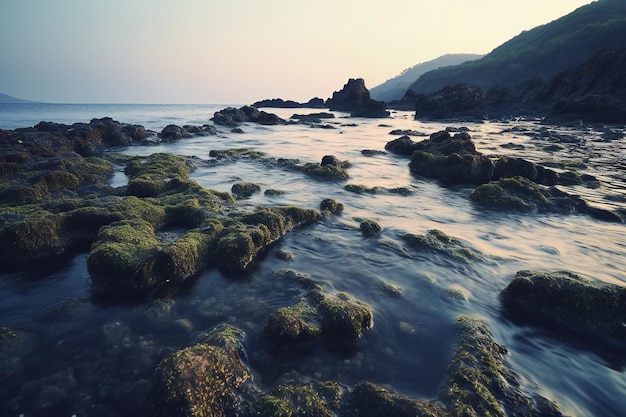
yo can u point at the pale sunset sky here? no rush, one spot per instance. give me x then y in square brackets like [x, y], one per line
[239, 51]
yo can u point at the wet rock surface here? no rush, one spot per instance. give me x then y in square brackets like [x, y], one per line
[355, 98]
[565, 302]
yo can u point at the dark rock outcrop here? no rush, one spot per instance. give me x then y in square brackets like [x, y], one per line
[355, 99]
[451, 159]
[233, 117]
[315, 102]
[595, 91]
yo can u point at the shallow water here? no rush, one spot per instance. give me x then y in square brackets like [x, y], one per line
[98, 357]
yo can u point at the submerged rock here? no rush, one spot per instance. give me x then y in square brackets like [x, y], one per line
[249, 234]
[337, 319]
[436, 240]
[245, 189]
[206, 379]
[318, 399]
[479, 382]
[368, 399]
[566, 302]
[292, 325]
[521, 194]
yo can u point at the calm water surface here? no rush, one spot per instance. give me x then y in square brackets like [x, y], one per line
[91, 358]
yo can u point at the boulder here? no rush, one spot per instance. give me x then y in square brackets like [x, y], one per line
[233, 117]
[113, 133]
[370, 228]
[522, 194]
[404, 146]
[173, 132]
[245, 189]
[565, 302]
[355, 99]
[206, 379]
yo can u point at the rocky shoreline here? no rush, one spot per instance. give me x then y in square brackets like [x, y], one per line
[147, 239]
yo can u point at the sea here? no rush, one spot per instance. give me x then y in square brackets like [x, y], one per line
[84, 357]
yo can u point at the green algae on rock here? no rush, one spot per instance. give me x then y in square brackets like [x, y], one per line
[479, 382]
[250, 233]
[203, 380]
[368, 399]
[331, 206]
[127, 256]
[320, 315]
[292, 325]
[370, 227]
[343, 317]
[522, 194]
[317, 399]
[245, 189]
[567, 302]
[440, 242]
[363, 189]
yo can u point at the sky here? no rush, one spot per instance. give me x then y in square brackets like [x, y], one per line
[239, 51]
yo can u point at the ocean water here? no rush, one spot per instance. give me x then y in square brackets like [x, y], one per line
[86, 357]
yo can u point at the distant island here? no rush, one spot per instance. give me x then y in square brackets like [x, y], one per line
[6, 99]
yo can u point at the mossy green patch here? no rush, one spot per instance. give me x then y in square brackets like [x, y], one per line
[292, 325]
[438, 241]
[245, 189]
[567, 302]
[199, 381]
[313, 399]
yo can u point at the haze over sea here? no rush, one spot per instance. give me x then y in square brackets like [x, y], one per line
[99, 358]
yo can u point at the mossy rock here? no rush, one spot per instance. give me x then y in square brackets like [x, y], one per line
[35, 238]
[330, 171]
[480, 383]
[521, 194]
[199, 381]
[121, 257]
[343, 317]
[437, 241]
[245, 189]
[334, 161]
[370, 228]
[566, 302]
[249, 234]
[237, 153]
[159, 166]
[272, 192]
[127, 256]
[318, 399]
[453, 169]
[371, 400]
[331, 206]
[292, 325]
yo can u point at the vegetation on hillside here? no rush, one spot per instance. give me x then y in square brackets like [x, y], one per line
[543, 51]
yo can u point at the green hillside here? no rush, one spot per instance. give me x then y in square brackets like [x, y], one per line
[394, 88]
[545, 50]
